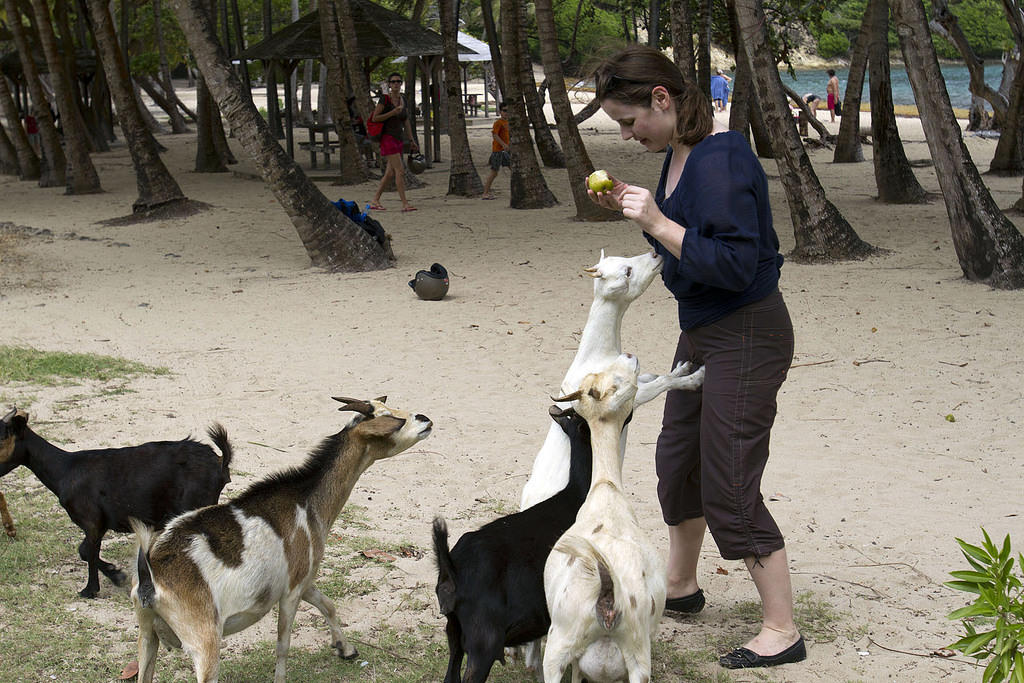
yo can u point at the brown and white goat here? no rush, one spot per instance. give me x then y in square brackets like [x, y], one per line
[604, 581]
[215, 571]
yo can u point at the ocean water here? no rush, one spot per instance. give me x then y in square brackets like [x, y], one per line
[957, 79]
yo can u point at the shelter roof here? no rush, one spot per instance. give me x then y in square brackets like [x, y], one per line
[382, 33]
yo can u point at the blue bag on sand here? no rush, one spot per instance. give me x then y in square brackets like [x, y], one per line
[370, 225]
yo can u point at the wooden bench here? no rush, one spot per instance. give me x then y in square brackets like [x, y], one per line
[470, 105]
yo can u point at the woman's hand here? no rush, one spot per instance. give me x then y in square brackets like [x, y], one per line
[610, 199]
[638, 205]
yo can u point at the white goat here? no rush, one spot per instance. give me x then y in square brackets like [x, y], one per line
[604, 581]
[618, 282]
[217, 570]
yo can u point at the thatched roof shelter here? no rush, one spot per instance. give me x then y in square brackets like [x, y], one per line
[383, 33]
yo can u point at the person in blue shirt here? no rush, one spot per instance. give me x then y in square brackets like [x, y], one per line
[720, 90]
[710, 219]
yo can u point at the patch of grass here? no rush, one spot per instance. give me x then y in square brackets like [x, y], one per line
[50, 368]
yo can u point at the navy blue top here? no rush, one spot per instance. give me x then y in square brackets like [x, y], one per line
[730, 252]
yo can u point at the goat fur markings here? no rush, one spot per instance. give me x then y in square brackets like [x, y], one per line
[604, 581]
[215, 571]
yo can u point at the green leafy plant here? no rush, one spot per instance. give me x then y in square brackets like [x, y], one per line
[995, 620]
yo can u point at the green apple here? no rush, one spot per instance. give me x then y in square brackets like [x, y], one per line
[598, 181]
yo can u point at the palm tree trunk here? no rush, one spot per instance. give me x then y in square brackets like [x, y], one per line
[332, 240]
[989, 247]
[822, 234]
[682, 40]
[353, 167]
[704, 47]
[463, 179]
[550, 153]
[577, 161]
[81, 175]
[164, 74]
[894, 176]
[494, 42]
[529, 189]
[28, 161]
[8, 155]
[1008, 158]
[848, 146]
[53, 164]
[157, 187]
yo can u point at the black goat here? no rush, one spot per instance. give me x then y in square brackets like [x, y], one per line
[491, 584]
[100, 489]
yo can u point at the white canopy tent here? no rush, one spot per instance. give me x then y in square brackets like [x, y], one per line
[481, 53]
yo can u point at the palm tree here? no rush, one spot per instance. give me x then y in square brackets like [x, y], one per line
[164, 73]
[682, 39]
[848, 146]
[81, 176]
[157, 187]
[529, 189]
[894, 176]
[989, 247]
[331, 239]
[28, 161]
[463, 180]
[550, 153]
[353, 167]
[53, 164]
[577, 160]
[822, 234]
[8, 155]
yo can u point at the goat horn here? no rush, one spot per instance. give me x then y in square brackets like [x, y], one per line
[10, 416]
[571, 397]
[355, 404]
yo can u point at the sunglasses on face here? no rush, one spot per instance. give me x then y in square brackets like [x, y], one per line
[395, 82]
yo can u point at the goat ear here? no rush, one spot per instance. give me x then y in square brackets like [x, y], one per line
[381, 399]
[19, 422]
[382, 426]
[571, 397]
[556, 412]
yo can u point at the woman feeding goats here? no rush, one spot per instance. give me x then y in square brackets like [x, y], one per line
[711, 221]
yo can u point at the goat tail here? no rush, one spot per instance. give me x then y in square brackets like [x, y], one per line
[145, 588]
[608, 612]
[445, 567]
[219, 435]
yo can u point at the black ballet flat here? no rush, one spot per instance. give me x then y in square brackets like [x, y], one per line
[688, 604]
[742, 658]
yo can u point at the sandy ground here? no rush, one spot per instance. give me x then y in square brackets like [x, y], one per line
[868, 479]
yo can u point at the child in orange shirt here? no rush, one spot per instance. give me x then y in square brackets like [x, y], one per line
[499, 149]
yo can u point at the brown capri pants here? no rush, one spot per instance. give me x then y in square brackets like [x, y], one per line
[713, 444]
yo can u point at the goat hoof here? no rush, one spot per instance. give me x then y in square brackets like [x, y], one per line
[118, 578]
[339, 647]
[88, 592]
[11, 532]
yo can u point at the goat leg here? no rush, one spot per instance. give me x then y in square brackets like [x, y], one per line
[89, 551]
[285, 617]
[326, 606]
[149, 644]
[6, 515]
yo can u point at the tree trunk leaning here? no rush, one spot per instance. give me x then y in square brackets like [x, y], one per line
[988, 246]
[332, 240]
[157, 187]
[53, 163]
[577, 161]
[822, 233]
[81, 176]
[529, 190]
[463, 179]
[894, 177]
[28, 160]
